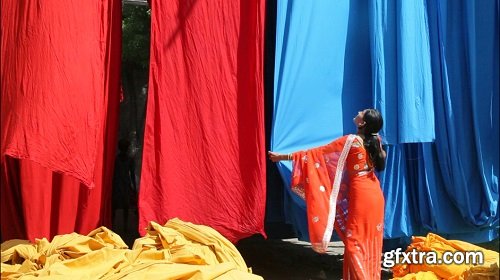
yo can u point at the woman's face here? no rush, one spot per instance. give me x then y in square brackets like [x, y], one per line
[358, 119]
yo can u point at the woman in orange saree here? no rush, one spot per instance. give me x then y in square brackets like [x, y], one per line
[341, 191]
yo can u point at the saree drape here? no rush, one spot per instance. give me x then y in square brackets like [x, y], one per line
[341, 191]
[316, 178]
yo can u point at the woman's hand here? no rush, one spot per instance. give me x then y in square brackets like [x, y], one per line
[275, 157]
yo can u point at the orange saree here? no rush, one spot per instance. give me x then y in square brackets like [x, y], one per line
[341, 191]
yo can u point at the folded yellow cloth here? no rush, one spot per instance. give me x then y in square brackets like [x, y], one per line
[178, 250]
[421, 275]
[435, 243]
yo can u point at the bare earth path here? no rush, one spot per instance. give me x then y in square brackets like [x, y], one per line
[290, 259]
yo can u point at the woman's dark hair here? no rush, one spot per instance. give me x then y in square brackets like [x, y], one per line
[373, 123]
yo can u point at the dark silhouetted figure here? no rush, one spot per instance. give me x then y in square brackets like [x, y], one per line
[124, 187]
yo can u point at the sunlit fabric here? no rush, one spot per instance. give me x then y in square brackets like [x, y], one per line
[60, 76]
[177, 250]
[431, 68]
[54, 78]
[474, 266]
[204, 144]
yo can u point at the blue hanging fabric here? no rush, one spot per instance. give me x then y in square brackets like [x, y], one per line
[402, 74]
[431, 68]
[463, 162]
[453, 182]
[322, 79]
[399, 207]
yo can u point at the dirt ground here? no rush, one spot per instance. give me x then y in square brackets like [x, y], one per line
[291, 259]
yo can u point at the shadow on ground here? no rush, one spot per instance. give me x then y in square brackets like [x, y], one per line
[290, 259]
[281, 259]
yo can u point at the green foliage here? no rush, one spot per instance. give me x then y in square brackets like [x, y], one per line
[136, 36]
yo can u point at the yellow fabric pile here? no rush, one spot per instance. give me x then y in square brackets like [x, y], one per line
[425, 271]
[178, 250]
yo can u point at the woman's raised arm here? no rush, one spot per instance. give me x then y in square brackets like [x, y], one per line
[275, 157]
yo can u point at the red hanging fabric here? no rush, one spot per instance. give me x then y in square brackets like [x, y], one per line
[60, 77]
[204, 146]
